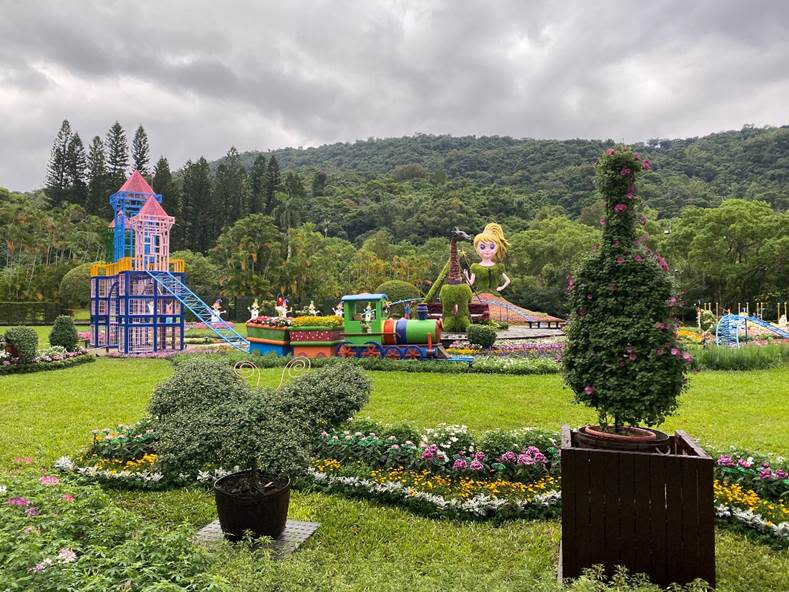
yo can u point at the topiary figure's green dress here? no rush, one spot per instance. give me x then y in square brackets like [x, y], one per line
[487, 279]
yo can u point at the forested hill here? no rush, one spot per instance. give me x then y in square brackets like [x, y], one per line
[752, 163]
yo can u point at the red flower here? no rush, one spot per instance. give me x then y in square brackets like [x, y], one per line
[645, 166]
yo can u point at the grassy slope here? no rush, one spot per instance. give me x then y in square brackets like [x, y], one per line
[362, 546]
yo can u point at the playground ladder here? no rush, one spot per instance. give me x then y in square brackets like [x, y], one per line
[199, 308]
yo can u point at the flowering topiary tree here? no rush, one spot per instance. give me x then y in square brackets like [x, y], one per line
[623, 357]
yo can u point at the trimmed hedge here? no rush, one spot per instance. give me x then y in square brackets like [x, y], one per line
[29, 313]
[64, 333]
[25, 341]
[44, 366]
[482, 335]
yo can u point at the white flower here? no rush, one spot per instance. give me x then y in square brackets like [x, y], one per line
[67, 555]
[3, 489]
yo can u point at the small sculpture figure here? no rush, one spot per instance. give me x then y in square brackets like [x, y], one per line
[312, 311]
[407, 310]
[217, 312]
[254, 310]
[491, 247]
[338, 310]
[282, 307]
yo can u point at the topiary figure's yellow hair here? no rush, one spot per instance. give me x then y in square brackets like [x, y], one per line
[493, 233]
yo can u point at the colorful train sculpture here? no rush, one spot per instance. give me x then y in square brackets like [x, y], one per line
[363, 331]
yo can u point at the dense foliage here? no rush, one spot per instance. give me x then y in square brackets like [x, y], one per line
[64, 333]
[623, 357]
[347, 217]
[23, 342]
[207, 417]
[481, 335]
[57, 535]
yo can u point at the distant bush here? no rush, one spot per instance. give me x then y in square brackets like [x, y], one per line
[64, 333]
[74, 289]
[749, 357]
[24, 341]
[399, 290]
[482, 335]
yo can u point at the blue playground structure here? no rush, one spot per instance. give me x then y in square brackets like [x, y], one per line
[138, 300]
[728, 329]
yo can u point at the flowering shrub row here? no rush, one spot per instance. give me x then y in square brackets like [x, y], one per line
[315, 321]
[529, 349]
[57, 535]
[53, 358]
[745, 508]
[271, 321]
[768, 477]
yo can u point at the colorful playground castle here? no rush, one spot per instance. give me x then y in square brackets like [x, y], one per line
[138, 301]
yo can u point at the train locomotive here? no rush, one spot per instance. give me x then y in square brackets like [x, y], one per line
[367, 333]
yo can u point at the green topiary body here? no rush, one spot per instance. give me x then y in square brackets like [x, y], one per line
[24, 342]
[482, 335]
[64, 333]
[622, 355]
[452, 295]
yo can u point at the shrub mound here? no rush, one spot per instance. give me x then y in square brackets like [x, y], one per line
[64, 333]
[23, 342]
[481, 335]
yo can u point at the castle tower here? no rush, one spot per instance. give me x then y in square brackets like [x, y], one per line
[151, 228]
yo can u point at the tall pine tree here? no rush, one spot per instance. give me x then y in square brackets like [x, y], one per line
[257, 181]
[117, 151]
[57, 172]
[141, 156]
[98, 186]
[200, 221]
[231, 192]
[76, 171]
[272, 184]
[164, 184]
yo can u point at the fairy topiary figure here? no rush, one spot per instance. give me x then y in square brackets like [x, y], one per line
[623, 357]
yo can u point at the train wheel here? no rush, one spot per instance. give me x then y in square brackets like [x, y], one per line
[413, 353]
[373, 351]
[344, 351]
[393, 353]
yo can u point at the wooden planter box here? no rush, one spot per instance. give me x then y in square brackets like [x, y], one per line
[264, 333]
[309, 335]
[652, 513]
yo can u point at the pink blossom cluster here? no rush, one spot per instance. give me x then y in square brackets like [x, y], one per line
[530, 456]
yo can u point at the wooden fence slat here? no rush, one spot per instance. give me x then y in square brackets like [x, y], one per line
[583, 506]
[674, 534]
[597, 477]
[645, 525]
[628, 525]
[569, 563]
[689, 518]
[657, 501]
[706, 567]
[611, 547]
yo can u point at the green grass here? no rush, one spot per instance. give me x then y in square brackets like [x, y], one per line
[363, 546]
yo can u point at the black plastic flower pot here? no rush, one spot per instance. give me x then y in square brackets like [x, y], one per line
[264, 513]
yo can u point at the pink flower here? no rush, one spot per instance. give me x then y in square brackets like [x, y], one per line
[745, 464]
[725, 461]
[631, 195]
[525, 459]
[617, 242]
[637, 258]
[645, 165]
[687, 357]
[624, 172]
[48, 480]
[32, 511]
[602, 221]
[68, 498]
[476, 465]
[674, 351]
[18, 501]
[66, 555]
[508, 457]
[610, 152]
[588, 389]
[23, 459]
[636, 156]
[620, 260]
[620, 207]
[42, 566]
[765, 474]
[632, 356]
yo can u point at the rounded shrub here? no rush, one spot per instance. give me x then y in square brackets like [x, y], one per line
[482, 335]
[622, 356]
[399, 290]
[24, 342]
[74, 291]
[64, 333]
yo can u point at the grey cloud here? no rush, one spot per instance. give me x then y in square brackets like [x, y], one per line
[202, 76]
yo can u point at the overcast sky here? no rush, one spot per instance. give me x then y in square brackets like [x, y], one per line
[203, 76]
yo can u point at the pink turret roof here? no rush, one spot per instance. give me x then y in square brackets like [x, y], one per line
[152, 208]
[136, 183]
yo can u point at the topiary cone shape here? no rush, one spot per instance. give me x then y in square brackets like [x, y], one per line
[623, 357]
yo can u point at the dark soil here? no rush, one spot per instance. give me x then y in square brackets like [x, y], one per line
[243, 484]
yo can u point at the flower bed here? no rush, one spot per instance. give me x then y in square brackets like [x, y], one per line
[444, 471]
[551, 350]
[58, 535]
[53, 358]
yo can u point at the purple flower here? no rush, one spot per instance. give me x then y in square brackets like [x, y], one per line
[624, 172]
[480, 455]
[588, 389]
[508, 457]
[620, 260]
[645, 165]
[610, 152]
[18, 501]
[32, 511]
[48, 480]
[781, 474]
[620, 207]
[66, 555]
[637, 258]
[765, 474]
[540, 458]
[725, 461]
[525, 459]
[460, 465]
[745, 463]
[602, 221]
[476, 465]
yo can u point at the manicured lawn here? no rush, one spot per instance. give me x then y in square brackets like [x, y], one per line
[362, 546]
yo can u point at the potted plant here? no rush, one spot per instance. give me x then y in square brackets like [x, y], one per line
[623, 358]
[269, 335]
[208, 418]
[316, 336]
